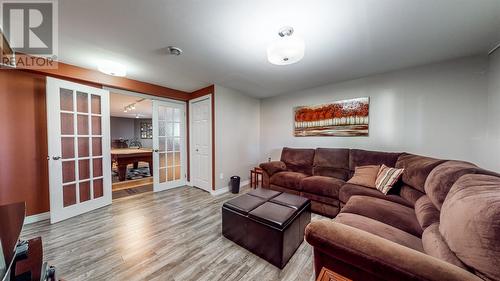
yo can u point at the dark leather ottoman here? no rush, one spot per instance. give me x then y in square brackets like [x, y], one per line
[268, 223]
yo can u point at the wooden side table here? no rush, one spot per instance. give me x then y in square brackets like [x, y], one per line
[328, 275]
[254, 177]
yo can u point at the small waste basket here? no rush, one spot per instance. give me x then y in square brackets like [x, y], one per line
[235, 184]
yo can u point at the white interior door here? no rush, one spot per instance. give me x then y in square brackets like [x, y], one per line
[201, 143]
[169, 145]
[79, 148]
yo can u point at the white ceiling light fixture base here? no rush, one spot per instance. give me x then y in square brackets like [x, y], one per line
[112, 68]
[286, 50]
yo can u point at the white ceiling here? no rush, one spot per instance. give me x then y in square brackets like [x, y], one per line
[225, 41]
[118, 102]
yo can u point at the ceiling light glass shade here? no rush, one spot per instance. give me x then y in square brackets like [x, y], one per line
[112, 68]
[286, 50]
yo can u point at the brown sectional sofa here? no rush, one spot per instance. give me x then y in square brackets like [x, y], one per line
[442, 221]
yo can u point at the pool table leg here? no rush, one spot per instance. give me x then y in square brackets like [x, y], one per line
[122, 171]
[150, 164]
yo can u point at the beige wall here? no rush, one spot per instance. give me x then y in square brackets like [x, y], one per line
[236, 135]
[437, 110]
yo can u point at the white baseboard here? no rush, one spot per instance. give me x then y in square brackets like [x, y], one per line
[227, 188]
[37, 218]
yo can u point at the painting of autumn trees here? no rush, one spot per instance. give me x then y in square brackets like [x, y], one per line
[341, 118]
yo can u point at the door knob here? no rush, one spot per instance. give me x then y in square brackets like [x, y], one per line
[156, 150]
[56, 157]
[197, 150]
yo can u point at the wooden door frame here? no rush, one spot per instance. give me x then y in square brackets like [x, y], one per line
[211, 145]
[185, 152]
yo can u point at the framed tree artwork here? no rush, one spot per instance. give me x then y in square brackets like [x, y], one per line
[345, 118]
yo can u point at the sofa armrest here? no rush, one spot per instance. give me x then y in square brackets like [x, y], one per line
[357, 252]
[273, 167]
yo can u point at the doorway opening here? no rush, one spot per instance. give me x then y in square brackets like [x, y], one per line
[103, 141]
[131, 131]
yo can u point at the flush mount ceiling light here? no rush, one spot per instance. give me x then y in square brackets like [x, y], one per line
[175, 51]
[287, 49]
[112, 68]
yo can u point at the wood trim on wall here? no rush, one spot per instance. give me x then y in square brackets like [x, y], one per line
[23, 135]
[210, 90]
[78, 74]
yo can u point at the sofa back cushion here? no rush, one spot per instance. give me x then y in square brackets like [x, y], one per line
[410, 194]
[331, 162]
[360, 157]
[470, 223]
[298, 159]
[416, 169]
[442, 178]
[426, 212]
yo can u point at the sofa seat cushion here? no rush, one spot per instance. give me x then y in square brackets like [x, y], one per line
[325, 186]
[288, 179]
[348, 190]
[320, 198]
[393, 214]
[381, 229]
[435, 246]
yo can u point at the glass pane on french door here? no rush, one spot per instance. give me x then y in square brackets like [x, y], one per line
[169, 143]
[78, 126]
[81, 146]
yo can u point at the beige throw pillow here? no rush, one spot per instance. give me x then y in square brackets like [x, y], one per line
[387, 177]
[365, 175]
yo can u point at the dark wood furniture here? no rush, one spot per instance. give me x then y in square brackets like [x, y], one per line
[12, 220]
[33, 264]
[328, 275]
[124, 156]
[23, 265]
[120, 143]
[268, 223]
[255, 173]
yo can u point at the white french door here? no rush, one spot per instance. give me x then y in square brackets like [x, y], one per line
[201, 143]
[79, 148]
[169, 145]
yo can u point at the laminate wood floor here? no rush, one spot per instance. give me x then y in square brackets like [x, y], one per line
[170, 235]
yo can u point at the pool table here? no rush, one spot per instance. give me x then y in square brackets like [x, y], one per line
[125, 156]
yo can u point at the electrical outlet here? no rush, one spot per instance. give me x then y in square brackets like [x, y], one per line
[221, 176]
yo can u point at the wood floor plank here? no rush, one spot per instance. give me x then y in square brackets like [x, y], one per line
[170, 235]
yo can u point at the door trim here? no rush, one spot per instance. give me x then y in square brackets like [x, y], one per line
[141, 95]
[208, 97]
